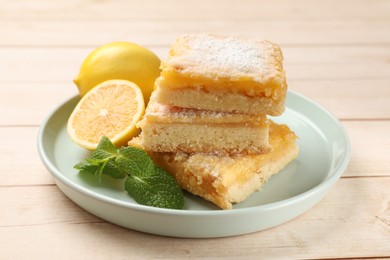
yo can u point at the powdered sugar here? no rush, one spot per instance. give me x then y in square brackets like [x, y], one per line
[227, 55]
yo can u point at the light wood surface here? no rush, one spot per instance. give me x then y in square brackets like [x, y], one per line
[337, 53]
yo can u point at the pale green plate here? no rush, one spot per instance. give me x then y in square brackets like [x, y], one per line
[324, 155]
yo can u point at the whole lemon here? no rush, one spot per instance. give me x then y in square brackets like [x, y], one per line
[119, 60]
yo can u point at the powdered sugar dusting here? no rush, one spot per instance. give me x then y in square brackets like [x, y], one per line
[225, 54]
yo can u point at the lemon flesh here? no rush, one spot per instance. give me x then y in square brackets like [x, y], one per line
[119, 60]
[111, 109]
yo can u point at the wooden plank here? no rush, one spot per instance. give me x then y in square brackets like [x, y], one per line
[20, 111]
[21, 164]
[342, 98]
[346, 104]
[336, 77]
[162, 31]
[348, 99]
[351, 221]
[293, 54]
[39, 9]
[324, 63]
[369, 144]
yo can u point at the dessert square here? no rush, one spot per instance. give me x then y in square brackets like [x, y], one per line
[225, 180]
[172, 129]
[228, 74]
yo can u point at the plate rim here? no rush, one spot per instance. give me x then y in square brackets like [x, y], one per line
[333, 174]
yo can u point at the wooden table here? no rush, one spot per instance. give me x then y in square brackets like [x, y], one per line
[336, 53]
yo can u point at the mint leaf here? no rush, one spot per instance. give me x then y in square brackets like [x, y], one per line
[104, 150]
[92, 166]
[158, 190]
[113, 170]
[135, 161]
[99, 167]
[86, 167]
[145, 182]
[101, 161]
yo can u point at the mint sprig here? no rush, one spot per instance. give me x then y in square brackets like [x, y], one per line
[147, 183]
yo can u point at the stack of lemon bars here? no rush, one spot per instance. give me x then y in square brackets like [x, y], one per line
[206, 122]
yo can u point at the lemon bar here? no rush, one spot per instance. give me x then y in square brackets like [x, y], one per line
[225, 180]
[220, 73]
[171, 129]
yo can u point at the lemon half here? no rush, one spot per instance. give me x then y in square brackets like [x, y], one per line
[110, 109]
